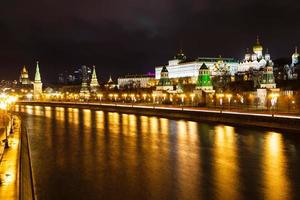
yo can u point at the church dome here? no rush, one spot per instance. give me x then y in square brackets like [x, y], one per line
[257, 47]
[295, 54]
[180, 56]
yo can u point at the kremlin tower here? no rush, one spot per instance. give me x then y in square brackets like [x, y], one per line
[268, 80]
[204, 80]
[94, 81]
[37, 85]
[164, 82]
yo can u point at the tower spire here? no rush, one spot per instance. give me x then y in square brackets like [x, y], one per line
[37, 77]
[296, 49]
[257, 39]
[37, 85]
[94, 80]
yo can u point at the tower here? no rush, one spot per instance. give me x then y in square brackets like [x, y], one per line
[94, 81]
[204, 80]
[37, 85]
[268, 80]
[24, 77]
[295, 57]
[164, 82]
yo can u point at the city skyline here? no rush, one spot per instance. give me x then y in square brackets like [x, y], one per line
[123, 37]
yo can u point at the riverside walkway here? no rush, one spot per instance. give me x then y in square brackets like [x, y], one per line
[9, 161]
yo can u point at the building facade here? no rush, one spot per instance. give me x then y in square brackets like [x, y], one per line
[179, 67]
[136, 81]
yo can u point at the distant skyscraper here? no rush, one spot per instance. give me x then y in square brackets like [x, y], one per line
[37, 85]
[84, 84]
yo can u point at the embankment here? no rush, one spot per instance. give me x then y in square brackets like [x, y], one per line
[276, 122]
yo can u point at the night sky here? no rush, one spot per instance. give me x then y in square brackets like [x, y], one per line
[134, 36]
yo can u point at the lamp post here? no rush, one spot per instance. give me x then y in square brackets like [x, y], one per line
[182, 98]
[274, 97]
[6, 103]
[221, 101]
[192, 98]
[229, 99]
[144, 96]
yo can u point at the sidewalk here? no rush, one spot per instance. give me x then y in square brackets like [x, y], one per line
[9, 165]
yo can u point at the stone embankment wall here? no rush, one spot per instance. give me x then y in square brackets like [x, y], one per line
[276, 123]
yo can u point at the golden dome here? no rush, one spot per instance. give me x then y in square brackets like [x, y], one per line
[296, 54]
[257, 46]
[24, 70]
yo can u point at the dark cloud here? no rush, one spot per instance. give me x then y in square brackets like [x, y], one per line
[133, 36]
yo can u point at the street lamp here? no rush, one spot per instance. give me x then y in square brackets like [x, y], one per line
[182, 98]
[115, 96]
[6, 103]
[192, 97]
[220, 96]
[100, 96]
[229, 99]
[154, 97]
[144, 95]
[274, 97]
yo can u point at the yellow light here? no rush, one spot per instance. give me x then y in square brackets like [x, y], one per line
[221, 95]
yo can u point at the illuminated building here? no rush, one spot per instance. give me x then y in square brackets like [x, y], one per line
[94, 85]
[292, 70]
[84, 90]
[24, 77]
[268, 80]
[255, 61]
[37, 85]
[135, 81]
[295, 57]
[164, 82]
[110, 84]
[180, 67]
[204, 80]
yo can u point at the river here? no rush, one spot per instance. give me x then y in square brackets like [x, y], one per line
[92, 154]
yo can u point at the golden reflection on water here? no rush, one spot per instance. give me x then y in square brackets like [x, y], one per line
[48, 111]
[75, 113]
[276, 181]
[87, 118]
[37, 110]
[225, 163]
[188, 159]
[125, 123]
[60, 113]
[113, 122]
[29, 109]
[144, 124]
[16, 108]
[100, 120]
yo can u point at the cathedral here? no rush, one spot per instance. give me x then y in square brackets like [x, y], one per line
[255, 60]
[24, 77]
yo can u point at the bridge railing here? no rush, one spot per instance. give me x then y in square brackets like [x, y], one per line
[26, 177]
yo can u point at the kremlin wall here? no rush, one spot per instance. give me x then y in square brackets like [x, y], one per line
[205, 81]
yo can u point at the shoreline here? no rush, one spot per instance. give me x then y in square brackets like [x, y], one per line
[275, 122]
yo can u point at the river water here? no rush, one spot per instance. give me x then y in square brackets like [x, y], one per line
[91, 154]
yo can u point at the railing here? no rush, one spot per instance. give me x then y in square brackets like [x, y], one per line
[26, 176]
